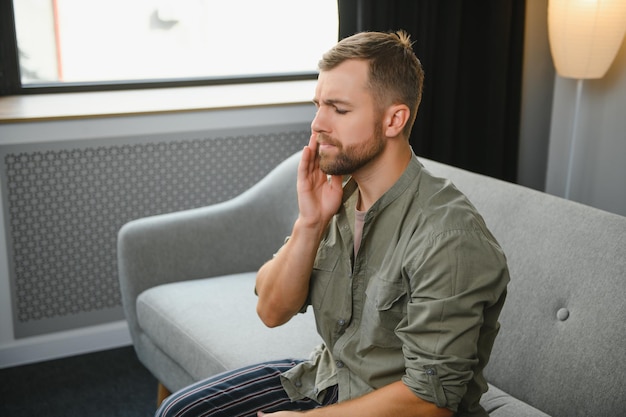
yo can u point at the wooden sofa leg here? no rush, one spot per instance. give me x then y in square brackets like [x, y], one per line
[162, 393]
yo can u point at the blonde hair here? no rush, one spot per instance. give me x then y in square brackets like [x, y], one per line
[395, 73]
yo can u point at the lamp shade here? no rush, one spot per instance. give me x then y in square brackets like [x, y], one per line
[585, 35]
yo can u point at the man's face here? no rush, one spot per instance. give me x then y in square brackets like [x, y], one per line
[348, 126]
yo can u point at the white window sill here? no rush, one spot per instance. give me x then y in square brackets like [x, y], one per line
[63, 106]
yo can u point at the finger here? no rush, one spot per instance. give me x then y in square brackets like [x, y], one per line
[313, 141]
[309, 162]
[306, 161]
[312, 146]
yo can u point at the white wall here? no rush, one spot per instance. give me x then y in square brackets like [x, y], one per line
[537, 89]
[599, 168]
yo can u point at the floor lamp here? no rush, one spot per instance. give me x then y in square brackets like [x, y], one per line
[584, 36]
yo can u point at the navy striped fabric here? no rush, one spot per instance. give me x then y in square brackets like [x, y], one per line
[240, 393]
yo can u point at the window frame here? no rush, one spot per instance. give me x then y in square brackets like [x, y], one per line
[11, 83]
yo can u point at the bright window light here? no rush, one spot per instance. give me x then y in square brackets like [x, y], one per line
[74, 41]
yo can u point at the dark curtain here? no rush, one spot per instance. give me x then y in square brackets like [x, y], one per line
[471, 51]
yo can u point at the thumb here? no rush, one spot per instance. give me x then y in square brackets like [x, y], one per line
[260, 414]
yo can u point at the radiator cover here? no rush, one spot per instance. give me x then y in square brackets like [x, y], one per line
[64, 203]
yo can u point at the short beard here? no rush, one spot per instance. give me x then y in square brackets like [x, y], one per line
[354, 157]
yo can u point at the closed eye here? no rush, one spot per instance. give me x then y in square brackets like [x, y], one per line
[337, 105]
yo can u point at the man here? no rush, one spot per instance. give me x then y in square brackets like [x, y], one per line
[404, 278]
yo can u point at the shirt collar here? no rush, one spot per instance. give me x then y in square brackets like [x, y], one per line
[408, 177]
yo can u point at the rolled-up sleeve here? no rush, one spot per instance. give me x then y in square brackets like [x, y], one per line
[457, 288]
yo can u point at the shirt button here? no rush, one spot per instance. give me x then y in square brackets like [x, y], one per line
[339, 364]
[341, 322]
[298, 384]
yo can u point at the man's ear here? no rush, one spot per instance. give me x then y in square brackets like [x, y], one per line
[396, 117]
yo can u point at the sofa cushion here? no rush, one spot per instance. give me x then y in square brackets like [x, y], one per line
[500, 404]
[210, 325]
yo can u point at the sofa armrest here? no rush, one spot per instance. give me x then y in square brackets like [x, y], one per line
[235, 236]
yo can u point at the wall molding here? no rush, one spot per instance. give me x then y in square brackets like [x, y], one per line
[63, 344]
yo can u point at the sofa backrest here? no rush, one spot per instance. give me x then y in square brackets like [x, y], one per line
[562, 344]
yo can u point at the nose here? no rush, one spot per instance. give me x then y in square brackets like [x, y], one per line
[319, 122]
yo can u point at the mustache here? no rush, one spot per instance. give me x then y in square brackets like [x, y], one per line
[323, 138]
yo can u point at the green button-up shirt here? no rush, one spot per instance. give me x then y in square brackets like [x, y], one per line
[419, 303]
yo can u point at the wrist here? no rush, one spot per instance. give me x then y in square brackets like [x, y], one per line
[311, 229]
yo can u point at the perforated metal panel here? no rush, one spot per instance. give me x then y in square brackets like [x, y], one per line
[65, 202]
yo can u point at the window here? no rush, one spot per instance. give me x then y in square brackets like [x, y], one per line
[61, 43]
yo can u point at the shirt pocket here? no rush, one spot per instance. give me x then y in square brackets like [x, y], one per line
[384, 309]
[321, 276]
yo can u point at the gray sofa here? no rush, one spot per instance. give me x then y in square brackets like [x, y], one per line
[187, 282]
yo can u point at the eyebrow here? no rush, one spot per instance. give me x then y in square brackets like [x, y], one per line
[332, 102]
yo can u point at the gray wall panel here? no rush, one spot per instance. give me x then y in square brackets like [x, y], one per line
[65, 201]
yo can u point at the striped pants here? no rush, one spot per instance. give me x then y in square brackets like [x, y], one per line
[239, 393]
